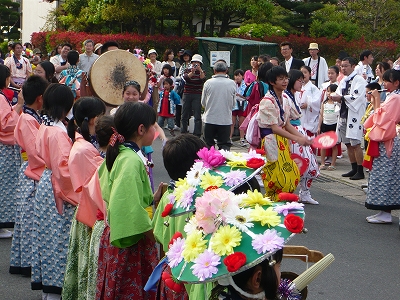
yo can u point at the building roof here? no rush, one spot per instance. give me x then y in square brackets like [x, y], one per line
[235, 41]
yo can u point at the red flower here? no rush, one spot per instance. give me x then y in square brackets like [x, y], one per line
[294, 223]
[235, 261]
[167, 210]
[288, 197]
[255, 163]
[260, 151]
[210, 188]
[171, 282]
[175, 237]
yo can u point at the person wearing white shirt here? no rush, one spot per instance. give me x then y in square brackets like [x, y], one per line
[87, 58]
[289, 62]
[363, 67]
[318, 65]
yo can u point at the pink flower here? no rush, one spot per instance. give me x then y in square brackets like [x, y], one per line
[205, 266]
[187, 198]
[234, 177]
[289, 206]
[174, 253]
[267, 242]
[212, 158]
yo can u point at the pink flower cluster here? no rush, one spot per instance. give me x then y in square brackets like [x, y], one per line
[211, 158]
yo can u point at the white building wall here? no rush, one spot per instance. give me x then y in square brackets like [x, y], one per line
[33, 17]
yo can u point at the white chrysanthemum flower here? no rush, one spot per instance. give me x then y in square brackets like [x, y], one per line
[193, 176]
[239, 217]
[191, 226]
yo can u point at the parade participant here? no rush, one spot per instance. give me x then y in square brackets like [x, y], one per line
[363, 67]
[84, 159]
[46, 70]
[251, 75]
[10, 158]
[384, 151]
[19, 66]
[127, 252]
[55, 198]
[273, 120]
[60, 60]
[317, 64]
[191, 99]
[309, 102]
[167, 105]
[294, 87]
[240, 106]
[328, 122]
[351, 95]
[131, 93]
[87, 58]
[72, 75]
[179, 155]
[218, 98]
[31, 169]
[289, 62]
[166, 72]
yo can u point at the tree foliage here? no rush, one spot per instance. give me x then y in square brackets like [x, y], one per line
[9, 20]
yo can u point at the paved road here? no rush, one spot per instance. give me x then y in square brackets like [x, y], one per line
[367, 260]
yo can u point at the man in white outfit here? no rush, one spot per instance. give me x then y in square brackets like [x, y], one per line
[318, 65]
[363, 67]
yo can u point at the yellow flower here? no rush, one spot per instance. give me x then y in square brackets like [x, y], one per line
[225, 239]
[254, 198]
[268, 216]
[237, 163]
[180, 187]
[208, 180]
[194, 246]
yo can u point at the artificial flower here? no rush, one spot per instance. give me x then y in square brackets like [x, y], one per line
[191, 226]
[225, 239]
[284, 209]
[174, 237]
[194, 245]
[255, 197]
[195, 172]
[252, 154]
[180, 187]
[210, 180]
[234, 261]
[187, 198]
[212, 158]
[234, 177]
[174, 253]
[265, 216]
[267, 242]
[294, 223]
[205, 266]
[171, 198]
[237, 163]
[239, 217]
[288, 197]
[167, 210]
[172, 283]
[255, 163]
[260, 151]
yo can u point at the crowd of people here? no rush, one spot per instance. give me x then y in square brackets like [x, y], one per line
[77, 184]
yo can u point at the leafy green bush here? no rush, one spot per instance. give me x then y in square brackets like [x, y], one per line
[254, 30]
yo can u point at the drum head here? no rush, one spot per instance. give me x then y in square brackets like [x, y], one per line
[110, 72]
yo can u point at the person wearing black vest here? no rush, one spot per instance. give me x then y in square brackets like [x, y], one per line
[318, 65]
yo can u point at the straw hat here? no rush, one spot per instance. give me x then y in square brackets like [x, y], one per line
[97, 46]
[313, 46]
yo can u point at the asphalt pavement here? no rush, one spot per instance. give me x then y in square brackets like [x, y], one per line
[367, 261]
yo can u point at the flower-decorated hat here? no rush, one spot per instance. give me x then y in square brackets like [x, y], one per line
[231, 233]
[215, 169]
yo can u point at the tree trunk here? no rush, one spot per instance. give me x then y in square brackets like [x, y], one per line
[224, 25]
[180, 23]
[203, 22]
[212, 23]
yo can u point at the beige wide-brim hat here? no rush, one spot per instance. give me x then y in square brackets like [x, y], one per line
[198, 58]
[151, 51]
[313, 46]
[97, 46]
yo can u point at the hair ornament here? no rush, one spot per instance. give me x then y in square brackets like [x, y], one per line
[86, 119]
[114, 137]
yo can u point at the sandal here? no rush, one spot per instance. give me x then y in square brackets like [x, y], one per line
[331, 168]
[322, 167]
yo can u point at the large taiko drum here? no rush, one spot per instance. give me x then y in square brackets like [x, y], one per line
[111, 71]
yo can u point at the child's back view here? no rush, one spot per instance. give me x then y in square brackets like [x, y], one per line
[72, 76]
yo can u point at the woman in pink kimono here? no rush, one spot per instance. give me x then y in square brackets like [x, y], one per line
[84, 159]
[383, 152]
[56, 198]
[10, 157]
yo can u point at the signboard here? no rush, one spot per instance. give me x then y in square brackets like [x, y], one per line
[217, 55]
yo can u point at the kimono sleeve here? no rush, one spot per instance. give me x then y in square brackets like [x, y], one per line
[267, 114]
[8, 115]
